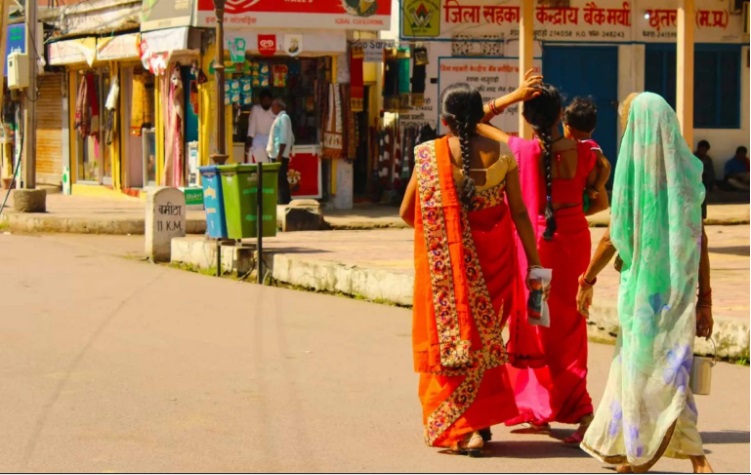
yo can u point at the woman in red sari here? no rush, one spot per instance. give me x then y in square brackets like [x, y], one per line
[549, 365]
[464, 201]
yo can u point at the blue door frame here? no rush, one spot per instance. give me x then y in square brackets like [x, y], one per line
[589, 71]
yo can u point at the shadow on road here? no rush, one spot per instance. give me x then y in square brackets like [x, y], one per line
[531, 449]
[731, 250]
[726, 437]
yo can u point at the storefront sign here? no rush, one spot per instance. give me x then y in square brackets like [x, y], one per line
[267, 45]
[492, 77]
[582, 20]
[82, 50]
[153, 61]
[293, 44]
[373, 49]
[372, 15]
[118, 47]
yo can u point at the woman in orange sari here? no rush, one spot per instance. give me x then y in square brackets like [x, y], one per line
[463, 200]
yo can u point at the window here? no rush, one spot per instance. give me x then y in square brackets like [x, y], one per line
[717, 89]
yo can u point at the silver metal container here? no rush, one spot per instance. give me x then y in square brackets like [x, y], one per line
[701, 373]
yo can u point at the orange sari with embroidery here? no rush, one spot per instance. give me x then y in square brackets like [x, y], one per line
[467, 284]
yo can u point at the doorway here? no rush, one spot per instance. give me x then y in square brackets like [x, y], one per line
[588, 71]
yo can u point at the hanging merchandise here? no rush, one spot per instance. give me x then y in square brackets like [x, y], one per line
[174, 167]
[357, 84]
[390, 81]
[264, 73]
[109, 110]
[419, 76]
[280, 72]
[83, 117]
[332, 132]
[246, 90]
[234, 91]
[138, 108]
[403, 59]
[194, 96]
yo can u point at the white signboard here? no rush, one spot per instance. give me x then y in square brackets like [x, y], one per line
[373, 49]
[492, 77]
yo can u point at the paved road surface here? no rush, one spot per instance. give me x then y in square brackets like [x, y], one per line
[111, 365]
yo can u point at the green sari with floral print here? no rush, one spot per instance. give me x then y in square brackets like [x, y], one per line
[656, 226]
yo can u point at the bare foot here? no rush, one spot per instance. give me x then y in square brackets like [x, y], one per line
[701, 465]
[624, 468]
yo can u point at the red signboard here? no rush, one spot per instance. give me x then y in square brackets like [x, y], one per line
[324, 14]
[267, 45]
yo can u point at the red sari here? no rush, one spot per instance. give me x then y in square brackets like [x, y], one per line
[549, 370]
[466, 287]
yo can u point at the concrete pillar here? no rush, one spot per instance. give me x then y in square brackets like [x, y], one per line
[685, 69]
[526, 45]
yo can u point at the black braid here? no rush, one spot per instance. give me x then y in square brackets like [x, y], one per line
[547, 160]
[467, 191]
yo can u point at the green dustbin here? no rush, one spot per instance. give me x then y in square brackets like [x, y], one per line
[240, 190]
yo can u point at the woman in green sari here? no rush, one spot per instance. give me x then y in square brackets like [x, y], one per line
[648, 410]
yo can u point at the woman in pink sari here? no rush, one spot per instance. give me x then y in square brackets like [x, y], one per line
[549, 365]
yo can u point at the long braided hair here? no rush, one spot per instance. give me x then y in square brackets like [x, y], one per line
[543, 113]
[462, 109]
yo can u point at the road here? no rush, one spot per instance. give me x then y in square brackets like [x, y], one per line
[113, 365]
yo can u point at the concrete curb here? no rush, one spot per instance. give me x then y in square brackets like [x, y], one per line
[394, 287]
[730, 334]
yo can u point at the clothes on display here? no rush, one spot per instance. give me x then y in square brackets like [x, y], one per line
[356, 79]
[390, 80]
[174, 169]
[142, 108]
[403, 60]
[419, 75]
[87, 106]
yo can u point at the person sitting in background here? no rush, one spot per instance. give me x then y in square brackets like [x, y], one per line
[707, 176]
[737, 170]
[579, 122]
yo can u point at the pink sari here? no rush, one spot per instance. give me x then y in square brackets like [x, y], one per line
[549, 365]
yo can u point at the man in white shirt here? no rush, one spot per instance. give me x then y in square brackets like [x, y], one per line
[259, 128]
[280, 147]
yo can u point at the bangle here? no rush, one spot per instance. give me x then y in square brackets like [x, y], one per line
[534, 267]
[493, 108]
[586, 284]
[704, 305]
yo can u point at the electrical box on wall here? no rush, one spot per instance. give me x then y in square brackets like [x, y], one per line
[18, 71]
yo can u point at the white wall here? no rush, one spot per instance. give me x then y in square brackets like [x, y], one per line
[725, 141]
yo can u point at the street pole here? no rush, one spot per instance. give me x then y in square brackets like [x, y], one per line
[30, 98]
[685, 66]
[526, 48]
[221, 143]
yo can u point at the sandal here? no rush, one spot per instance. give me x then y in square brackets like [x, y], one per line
[577, 437]
[471, 446]
[537, 426]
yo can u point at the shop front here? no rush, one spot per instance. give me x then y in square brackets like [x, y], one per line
[297, 68]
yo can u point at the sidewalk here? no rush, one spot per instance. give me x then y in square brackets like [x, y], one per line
[377, 265]
[123, 216]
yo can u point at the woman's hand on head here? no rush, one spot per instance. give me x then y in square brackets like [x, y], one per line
[530, 87]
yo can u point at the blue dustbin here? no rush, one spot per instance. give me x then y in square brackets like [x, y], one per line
[213, 202]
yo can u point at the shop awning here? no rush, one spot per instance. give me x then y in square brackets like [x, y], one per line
[80, 50]
[120, 47]
[167, 40]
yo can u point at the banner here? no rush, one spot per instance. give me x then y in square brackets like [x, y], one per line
[492, 77]
[372, 49]
[582, 21]
[372, 15]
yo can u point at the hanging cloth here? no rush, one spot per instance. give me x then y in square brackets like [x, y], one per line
[92, 91]
[138, 105]
[173, 128]
[403, 59]
[83, 119]
[332, 134]
[419, 76]
[356, 79]
[390, 81]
